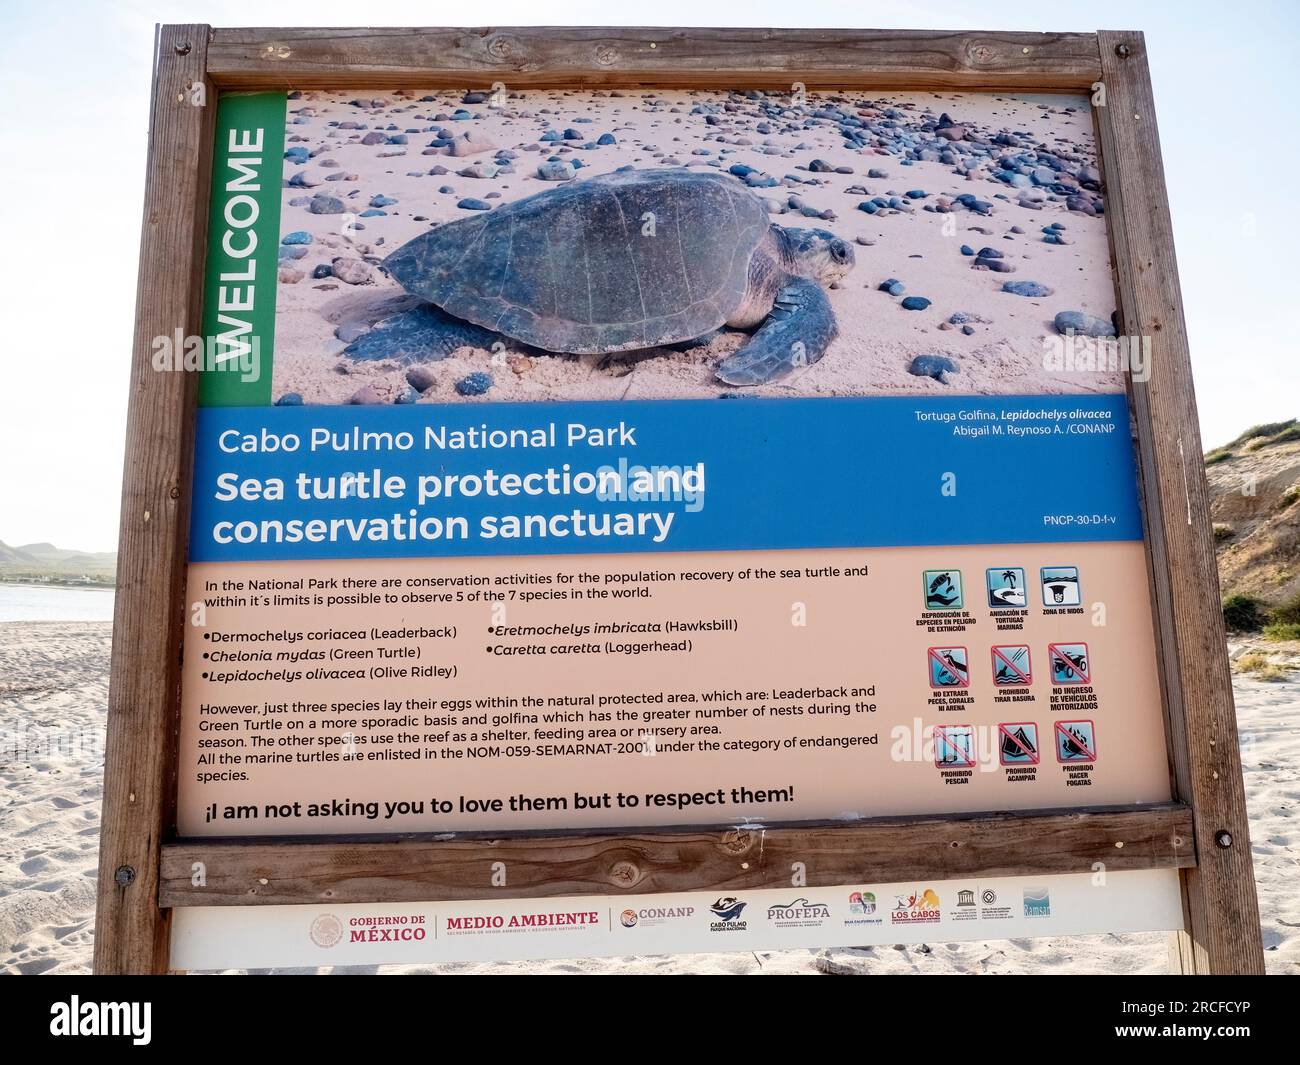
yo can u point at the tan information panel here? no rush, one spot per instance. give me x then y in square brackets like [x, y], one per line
[594, 691]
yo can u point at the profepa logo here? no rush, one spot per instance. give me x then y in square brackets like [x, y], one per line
[800, 914]
[74, 1017]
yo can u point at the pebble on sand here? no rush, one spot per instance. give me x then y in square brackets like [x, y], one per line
[1081, 324]
[421, 378]
[365, 395]
[353, 271]
[1026, 288]
[326, 205]
[937, 366]
[555, 170]
[475, 384]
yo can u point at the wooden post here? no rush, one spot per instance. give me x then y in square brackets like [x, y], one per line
[1222, 914]
[131, 932]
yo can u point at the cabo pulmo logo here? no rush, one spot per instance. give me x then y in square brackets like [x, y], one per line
[75, 1017]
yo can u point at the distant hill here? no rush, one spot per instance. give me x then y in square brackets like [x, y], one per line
[1254, 486]
[43, 562]
[14, 555]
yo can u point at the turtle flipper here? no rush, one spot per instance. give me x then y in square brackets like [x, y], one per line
[796, 333]
[425, 334]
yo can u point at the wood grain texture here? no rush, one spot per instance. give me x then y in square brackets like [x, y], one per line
[131, 932]
[1223, 934]
[424, 869]
[632, 56]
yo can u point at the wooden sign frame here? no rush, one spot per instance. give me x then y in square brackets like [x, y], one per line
[144, 871]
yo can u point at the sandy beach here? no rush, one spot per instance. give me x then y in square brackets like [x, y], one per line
[53, 695]
[1003, 194]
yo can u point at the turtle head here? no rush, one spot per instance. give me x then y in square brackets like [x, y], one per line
[818, 254]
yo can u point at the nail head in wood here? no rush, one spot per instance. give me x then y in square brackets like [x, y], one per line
[124, 876]
[1123, 51]
[182, 47]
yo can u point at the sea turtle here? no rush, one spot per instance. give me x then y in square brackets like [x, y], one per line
[632, 259]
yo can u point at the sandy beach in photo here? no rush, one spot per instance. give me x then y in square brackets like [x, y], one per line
[365, 174]
[53, 696]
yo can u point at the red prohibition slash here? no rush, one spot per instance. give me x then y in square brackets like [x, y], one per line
[1053, 652]
[941, 736]
[1023, 674]
[1031, 755]
[962, 674]
[1072, 738]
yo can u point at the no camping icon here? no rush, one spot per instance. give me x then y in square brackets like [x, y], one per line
[1018, 743]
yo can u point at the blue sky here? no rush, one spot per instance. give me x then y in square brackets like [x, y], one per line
[75, 79]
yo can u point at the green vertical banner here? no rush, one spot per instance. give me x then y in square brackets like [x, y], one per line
[239, 289]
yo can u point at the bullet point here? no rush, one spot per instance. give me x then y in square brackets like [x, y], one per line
[205, 676]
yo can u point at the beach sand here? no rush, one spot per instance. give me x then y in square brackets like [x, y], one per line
[415, 186]
[53, 696]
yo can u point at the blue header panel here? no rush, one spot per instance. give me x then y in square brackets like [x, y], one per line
[682, 475]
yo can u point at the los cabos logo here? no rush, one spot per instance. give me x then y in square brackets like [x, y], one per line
[918, 907]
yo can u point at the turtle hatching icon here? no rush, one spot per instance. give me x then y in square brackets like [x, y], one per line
[1006, 587]
[943, 589]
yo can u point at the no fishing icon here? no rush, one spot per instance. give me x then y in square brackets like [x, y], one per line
[949, 667]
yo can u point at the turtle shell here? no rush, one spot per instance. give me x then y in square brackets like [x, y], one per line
[632, 259]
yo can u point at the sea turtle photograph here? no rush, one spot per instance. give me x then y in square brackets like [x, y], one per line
[626, 261]
[468, 246]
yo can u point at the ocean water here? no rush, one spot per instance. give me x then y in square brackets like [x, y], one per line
[34, 602]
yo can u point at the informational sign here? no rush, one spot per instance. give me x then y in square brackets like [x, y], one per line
[445, 580]
[575, 461]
